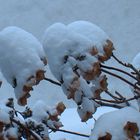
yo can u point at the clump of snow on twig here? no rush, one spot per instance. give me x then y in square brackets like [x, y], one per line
[22, 61]
[74, 53]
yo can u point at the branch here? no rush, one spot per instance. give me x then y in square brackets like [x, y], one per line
[119, 70]
[121, 78]
[108, 104]
[52, 81]
[126, 65]
[71, 132]
[111, 95]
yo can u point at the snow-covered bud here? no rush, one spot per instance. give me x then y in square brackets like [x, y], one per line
[107, 51]
[60, 108]
[86, 109]
[99, 85]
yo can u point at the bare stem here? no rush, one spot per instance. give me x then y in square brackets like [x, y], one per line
[121, 78]
[71, 132]
[119, 70]
[126, 65]
[112, 96]
[52, 81]
[108, 104]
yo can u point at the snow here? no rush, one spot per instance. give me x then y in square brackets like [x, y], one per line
[91, 31]
[21, 57]
[59, 42]
[120, 19]
[72, 122]
[12, 133]
[40, 111]
[114, 123]
[45, 117]
[35, 16]
[4, 114]
[74, 53]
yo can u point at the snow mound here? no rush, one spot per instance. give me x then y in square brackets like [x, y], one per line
[22, 60]
[117, 125]
[74, 53]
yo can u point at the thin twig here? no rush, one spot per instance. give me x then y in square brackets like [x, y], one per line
[108, 104]
[116, 92]
[119, 70]
[111, 95]
[122, 97]
[52, 81]
[126, 65]
[71, 132]
[121, 78]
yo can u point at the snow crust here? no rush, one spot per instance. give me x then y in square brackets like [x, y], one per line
[21, 56]
[114, 122]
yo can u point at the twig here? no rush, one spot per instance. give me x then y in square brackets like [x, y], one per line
[52, 81]
[114, 97]
[108, 104]
[116, 92]
[119, 70]
[133, 98]
[126, 65]
[121, 78]
[71, 132]
[36, 136]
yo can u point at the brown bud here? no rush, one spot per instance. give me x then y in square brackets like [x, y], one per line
[131, 129]
[103, 83]
[60, 108]
[27, 88]
[40, 76]
[97, 93]
[108, 48]
[87, 116]
[108, 136]
[94, 72]
[93, 51]
[102, 58]
[23, 100]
